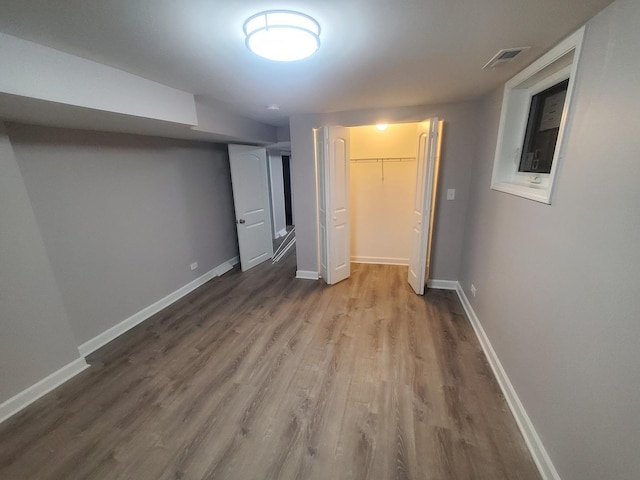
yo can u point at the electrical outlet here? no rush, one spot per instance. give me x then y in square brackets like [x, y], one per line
[194, 265]
[473, 290]
[451, 194]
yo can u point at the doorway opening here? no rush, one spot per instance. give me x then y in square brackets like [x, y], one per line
[284, 233]
[280, 193]
[288, 199]
[382, 170]
[261, 183]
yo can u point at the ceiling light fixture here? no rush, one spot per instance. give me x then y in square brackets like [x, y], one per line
[282, 35]
[381, 126]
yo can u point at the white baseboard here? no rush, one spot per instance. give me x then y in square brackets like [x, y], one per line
[381, 260]
[224, 267]
[536, 448]
[443, 284]
[139, 317]
[26, 397]
[307, 275]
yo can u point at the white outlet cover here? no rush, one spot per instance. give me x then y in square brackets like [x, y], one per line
[194, 265]
[451, 194]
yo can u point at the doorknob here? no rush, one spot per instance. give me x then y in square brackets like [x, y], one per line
[241, 221]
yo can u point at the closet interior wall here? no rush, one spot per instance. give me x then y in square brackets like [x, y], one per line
[382, 172]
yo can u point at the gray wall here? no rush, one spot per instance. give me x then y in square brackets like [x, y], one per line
[557, 286]
[459, 142]
[35, 336]
[123, 216]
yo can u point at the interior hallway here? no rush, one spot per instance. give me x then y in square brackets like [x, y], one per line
[260, 375]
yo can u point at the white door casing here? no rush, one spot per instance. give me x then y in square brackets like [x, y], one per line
[332, 167]
[434, 196]
[250, 181]
[424, 203]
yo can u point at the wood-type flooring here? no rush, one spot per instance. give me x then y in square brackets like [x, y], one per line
[259, 375]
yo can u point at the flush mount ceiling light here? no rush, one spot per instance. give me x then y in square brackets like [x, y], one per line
[282, 35]
[381, 126]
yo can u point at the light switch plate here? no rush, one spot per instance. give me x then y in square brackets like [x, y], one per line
[451, 194]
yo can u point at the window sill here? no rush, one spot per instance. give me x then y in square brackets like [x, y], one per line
[536, 193]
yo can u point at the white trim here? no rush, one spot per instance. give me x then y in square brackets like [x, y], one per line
[536, 448]
[281, 233]
[307, 275]
[381, 260]
[514, 115]
[139, 317]
[443, 284]
[26, 397]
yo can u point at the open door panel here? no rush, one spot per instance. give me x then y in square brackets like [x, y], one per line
[332, 167]
[428, 136]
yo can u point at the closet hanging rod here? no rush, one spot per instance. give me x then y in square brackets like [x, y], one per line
[384, 159]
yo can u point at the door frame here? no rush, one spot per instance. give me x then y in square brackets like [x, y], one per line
[439, 124]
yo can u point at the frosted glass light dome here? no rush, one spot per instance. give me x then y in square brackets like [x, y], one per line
[282, 35]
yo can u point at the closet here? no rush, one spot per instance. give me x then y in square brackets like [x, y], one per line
[376, 194]
[382, 186]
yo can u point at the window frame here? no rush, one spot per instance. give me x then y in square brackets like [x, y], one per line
[557, 65]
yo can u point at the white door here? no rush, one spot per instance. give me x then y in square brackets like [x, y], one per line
[424, 203]
[251, 198]
[321, 188]
[332, 167]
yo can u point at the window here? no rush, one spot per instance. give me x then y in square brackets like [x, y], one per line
[543, 125]
[535, 108]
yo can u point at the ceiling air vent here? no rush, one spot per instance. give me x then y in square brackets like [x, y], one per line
[503, 56]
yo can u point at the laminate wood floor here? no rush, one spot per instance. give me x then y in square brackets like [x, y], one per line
[259, 375]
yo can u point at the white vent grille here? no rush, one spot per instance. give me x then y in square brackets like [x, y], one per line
[503, 56]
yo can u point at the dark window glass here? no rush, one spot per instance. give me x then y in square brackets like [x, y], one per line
[543, 126]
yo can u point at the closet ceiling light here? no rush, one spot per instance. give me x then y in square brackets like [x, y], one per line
[282, 35]
[381, 126]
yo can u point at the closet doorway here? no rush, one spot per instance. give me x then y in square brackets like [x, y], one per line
[382, 171]
[376, 197]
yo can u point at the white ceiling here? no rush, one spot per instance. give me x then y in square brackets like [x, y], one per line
[374, 53]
